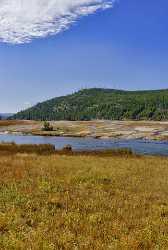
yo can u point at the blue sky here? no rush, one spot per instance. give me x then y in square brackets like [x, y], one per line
[124, 47]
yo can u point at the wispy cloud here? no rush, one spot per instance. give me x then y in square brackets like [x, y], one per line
[23, 20]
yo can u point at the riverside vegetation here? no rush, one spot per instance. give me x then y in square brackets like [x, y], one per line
[108, 104]
[70, 202]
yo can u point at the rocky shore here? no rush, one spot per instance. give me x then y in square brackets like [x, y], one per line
[97, 129]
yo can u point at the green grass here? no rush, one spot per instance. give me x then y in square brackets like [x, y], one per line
[83, 202]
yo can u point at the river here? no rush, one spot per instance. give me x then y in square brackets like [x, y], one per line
[144, 147]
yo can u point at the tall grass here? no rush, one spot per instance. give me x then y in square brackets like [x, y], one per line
[61, 202]
[14, 148]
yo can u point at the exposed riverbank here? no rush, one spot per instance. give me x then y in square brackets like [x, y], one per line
[149, 130]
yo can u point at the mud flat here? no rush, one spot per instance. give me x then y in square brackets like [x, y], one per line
[151, 130]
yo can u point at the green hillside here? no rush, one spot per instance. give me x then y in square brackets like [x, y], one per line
[97, 103]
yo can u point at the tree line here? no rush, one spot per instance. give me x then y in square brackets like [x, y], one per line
[107, 104]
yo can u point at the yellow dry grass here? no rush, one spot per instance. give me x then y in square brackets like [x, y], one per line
[15, 122]
[83, 202]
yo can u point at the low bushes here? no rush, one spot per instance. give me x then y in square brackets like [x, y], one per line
[67, 150]
[102, 153]
[27, 148]
[47, 126]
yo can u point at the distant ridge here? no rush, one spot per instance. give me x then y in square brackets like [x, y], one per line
[98, 103]
[5, 116]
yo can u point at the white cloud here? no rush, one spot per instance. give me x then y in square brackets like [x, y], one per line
[23, 20]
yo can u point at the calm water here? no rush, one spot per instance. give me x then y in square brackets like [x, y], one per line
[138, 146]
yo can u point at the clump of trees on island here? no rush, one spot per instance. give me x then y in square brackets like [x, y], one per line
[107, 104]
[47, 126]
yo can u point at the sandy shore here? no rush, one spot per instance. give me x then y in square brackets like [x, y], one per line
[97, 129]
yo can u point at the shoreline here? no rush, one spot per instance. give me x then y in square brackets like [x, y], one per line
[99, 129]
[87, 136]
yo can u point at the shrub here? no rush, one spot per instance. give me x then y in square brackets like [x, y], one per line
[47, 126]
[67, 148]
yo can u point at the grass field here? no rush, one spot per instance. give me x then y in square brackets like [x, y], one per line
[83, 202]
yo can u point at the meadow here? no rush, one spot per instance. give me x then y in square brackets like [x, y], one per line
[85, 202]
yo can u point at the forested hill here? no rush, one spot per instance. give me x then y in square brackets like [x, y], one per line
[97, 103]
